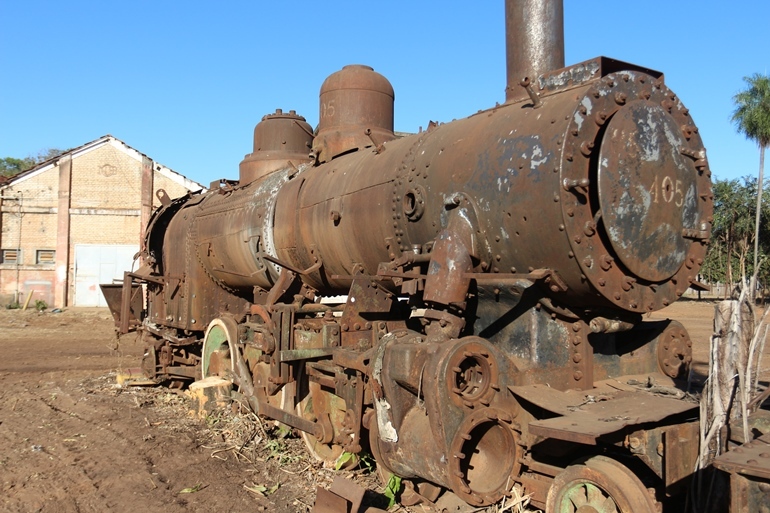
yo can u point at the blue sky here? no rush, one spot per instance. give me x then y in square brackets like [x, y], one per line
[185, 82]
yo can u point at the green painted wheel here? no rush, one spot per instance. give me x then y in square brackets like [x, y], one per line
[217, 353]
[600, 485]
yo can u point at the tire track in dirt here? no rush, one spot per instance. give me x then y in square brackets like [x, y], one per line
[71, 441]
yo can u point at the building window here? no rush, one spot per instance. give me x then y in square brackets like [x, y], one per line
[45, 257]
[11, 256]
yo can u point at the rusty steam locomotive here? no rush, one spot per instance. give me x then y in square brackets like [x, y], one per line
[465, 302]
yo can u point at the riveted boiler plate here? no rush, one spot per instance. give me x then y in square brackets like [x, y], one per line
[647, 190]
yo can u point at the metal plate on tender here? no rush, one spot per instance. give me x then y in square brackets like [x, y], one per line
[551, 399]
[606, 414]
[565, 402]
[751, 459]
[647, 190]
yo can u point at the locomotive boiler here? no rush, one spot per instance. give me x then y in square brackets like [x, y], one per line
[465, 303]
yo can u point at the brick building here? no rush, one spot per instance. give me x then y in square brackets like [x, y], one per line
[75, 221]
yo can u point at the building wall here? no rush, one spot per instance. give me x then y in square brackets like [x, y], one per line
[28, 211]
[106, 178]
[105, 207]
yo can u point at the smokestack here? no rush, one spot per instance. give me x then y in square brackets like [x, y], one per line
[534, 41]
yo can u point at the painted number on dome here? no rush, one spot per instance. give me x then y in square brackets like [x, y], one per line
[668, 190]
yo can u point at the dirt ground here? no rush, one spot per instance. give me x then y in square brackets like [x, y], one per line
[72, 440]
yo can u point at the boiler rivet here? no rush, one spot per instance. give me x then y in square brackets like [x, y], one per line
[600, 118]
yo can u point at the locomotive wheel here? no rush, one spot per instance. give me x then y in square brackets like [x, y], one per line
[218, 359]
[600, 485]
[319, 405]
[218, 349]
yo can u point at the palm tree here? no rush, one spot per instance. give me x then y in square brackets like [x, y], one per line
[752, 118]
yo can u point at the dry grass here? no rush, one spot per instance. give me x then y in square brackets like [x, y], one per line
[263, 448]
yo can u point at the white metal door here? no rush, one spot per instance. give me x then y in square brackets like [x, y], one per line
[95, 264]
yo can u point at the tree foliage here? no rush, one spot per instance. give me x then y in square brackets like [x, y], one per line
[752, 109]
[10, 166]
[731, 252]
[752, 118]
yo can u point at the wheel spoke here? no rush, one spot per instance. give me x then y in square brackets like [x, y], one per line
[608, 506]
[594, 494]
[577, 496]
